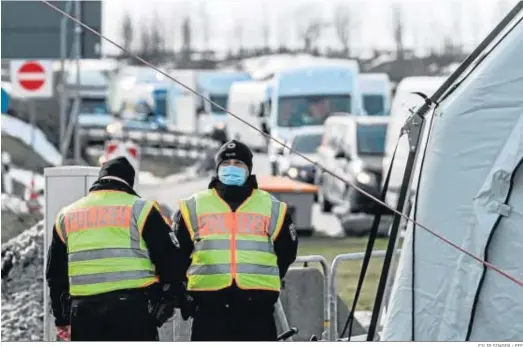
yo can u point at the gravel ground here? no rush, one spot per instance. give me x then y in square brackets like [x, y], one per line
[22, 286]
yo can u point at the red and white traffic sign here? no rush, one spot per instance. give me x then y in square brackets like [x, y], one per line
[128, 149]
[32, 78]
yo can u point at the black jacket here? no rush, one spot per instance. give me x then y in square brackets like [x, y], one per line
[161, 243]
[285, 247]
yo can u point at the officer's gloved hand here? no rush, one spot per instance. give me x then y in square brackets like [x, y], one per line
[162, 311]
[163, 307]
[187, 306]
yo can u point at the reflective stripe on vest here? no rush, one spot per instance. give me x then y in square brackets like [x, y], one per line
[105, 249]
[231, 245]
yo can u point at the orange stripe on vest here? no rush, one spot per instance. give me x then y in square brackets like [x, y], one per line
[246, 223]
[98, 217]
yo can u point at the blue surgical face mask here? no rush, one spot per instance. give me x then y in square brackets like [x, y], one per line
[232, 175]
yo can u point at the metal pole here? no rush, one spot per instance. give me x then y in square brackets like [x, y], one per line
[282, 318]
[63, 81]
[32, 115]
[78, 53]
[415, 125]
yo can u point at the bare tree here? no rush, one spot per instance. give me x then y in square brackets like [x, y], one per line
[309, 26]
[205, 26]
[127, 32]
[282, 30]
[457, 24]
[265, 29]
[343, 26]
[398, 28]
[157, 37]
[145, 40]
[186, 41]
[238, 36]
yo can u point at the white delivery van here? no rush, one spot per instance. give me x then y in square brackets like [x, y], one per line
[305, 96]
[247, 101]
[215, 86]
[375, 93]
[404, 101]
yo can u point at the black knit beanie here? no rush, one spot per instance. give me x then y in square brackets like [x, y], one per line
[234, 150]
[118, 167]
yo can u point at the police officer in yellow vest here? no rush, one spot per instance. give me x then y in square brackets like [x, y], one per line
[238, 242]
[114, 264]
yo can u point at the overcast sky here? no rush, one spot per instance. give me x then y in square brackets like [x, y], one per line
[426, 22]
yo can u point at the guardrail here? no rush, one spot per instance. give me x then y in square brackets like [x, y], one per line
[151, 138]
[168, 143]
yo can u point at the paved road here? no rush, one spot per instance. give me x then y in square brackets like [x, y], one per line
[170, 193]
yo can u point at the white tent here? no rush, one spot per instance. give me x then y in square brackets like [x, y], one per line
[471, 192]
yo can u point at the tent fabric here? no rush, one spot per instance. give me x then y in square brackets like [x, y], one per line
[471, 165]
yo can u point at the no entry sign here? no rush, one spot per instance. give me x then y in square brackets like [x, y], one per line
[32, 78]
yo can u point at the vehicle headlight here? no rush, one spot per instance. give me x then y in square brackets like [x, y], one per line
[115, 128]
[219, 126]
[364, 178]
[293, 172]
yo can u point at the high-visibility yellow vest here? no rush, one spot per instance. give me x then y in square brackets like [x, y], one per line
[106, 251]
[230, 245]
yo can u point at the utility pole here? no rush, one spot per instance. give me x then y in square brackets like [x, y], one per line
[78, 56]
[62, 86]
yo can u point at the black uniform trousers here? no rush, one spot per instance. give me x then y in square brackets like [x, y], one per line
[118, 318]
[234, 323]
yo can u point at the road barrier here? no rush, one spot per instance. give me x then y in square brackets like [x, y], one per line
[333, 303]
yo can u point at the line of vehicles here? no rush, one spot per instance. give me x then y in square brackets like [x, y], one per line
[344, 120]
[355, 144]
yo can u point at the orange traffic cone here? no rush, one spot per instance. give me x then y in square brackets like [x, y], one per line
[32, 203]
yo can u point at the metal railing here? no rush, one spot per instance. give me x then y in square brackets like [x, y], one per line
[333, 294]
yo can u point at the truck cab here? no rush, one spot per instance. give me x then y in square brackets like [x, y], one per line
[215, 86]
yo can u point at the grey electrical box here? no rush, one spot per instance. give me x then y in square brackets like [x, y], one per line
[31, 29]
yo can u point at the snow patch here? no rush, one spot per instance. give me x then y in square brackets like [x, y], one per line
[147, 178]
[21, 130]
[13, 204]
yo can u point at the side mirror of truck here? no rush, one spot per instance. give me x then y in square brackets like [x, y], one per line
[265, 127]
[340, 155]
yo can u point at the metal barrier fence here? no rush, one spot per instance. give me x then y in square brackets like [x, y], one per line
[333, 295]
[191, 147]
[151, 138]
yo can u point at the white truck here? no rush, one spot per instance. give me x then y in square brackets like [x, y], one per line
[376, 93]
[305, 96]
[247, 100]
[215, 85]
[403, 102]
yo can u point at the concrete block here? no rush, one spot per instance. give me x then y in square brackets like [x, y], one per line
[343, 313]
[302, 300]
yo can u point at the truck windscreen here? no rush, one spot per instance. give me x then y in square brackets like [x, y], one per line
[374, 104]
[299, 111]
[220, 100]
[93, 106]
[371, 139]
